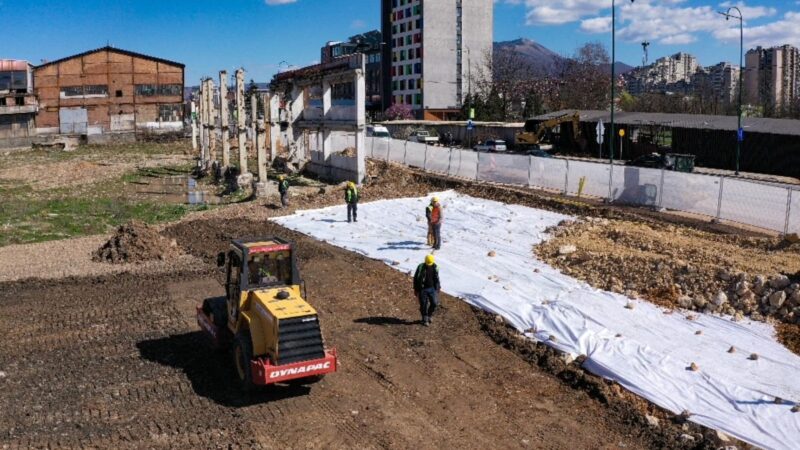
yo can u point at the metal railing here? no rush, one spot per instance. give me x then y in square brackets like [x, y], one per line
[771, 206]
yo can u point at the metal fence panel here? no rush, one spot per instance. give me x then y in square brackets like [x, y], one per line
[503, 168]
[380, 148]
[464, 164]
[548, 173]
[794, 212]
[636, 185]
[415, 154]
[438, 159]
[691, 193]
[596, 178]
[397, 150]
[756, 204]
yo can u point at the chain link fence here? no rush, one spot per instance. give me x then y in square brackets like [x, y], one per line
[771, 206]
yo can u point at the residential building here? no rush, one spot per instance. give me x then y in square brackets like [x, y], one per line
[668, 74]
[720, 80]
[18, 104]
[772, 77]
[434, 51]
[370, 44]
[109, 90]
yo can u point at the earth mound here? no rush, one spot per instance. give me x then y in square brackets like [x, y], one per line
[136, 242]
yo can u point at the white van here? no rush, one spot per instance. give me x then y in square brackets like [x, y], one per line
[378, 131]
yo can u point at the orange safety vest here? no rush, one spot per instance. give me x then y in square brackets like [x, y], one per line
[436, 214]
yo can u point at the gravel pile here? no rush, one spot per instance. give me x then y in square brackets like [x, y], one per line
[136, 242]
[680, 267]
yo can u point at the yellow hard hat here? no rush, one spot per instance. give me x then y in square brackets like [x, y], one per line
[282, 177]
[351, 184]
[435, 200]
[429, 260]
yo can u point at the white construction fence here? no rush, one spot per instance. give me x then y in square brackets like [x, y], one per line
[771, 206]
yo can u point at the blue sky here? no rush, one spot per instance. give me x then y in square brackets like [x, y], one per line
[259, 34]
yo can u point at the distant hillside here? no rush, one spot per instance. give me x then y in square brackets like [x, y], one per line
[542, 58]
[532, 53]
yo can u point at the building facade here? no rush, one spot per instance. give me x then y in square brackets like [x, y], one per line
[109, 90]
[721, 80]
[668, 74]
[371, 45]
[434, 51]
[772, 77]
[18, 105]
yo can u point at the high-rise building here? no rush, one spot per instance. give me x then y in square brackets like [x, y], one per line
[668, 74]
[772, 77]
[435, 50]
[721, 80]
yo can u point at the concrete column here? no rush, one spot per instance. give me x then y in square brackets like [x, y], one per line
[261, 141]
[326, 99]
[296, 107]
[240, 121]
[212, 121]
[194, 125]
[203, 136]
[360, 96]
[224, 119]
[254, 123]
[274, 125]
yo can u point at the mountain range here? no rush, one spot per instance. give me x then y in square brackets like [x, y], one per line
[539, 56]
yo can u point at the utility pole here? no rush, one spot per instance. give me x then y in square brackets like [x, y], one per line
[739, 129]
[613, 74]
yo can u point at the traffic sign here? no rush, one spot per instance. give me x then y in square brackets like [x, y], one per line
[740, 135]
[621, 132]
[470, 124]
[601, 130]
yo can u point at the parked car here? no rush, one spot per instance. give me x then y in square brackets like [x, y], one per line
[378, 131]
[492, 145]
[423, 136]
[669, 161]
[539, 153]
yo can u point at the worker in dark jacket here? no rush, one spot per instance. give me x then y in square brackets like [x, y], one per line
[351, 198]
[283, 189]
[427, 287]
[437, 217]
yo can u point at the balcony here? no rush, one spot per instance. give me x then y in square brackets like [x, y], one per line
[14, 109]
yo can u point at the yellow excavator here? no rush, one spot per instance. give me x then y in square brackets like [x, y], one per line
[534, 133]
[273, 332]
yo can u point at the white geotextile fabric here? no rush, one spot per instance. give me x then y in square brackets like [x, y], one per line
[651, 358]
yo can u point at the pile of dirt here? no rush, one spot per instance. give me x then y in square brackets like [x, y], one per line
[136, 242]
[349, 152]
[675, 266]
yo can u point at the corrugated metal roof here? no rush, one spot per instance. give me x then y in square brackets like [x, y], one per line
[697, 121]
[7, 65]
[116, 50]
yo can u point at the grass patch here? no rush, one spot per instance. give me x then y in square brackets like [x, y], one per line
[26, 220]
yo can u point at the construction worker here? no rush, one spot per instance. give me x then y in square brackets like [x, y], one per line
[283, 189]
[351, 198]
[436, 219]
[428, 212]
[426, 288]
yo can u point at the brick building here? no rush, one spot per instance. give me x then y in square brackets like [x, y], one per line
[109, 90]
[17, 103]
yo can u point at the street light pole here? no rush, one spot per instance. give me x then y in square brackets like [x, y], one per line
[613, 75]
[739, 134]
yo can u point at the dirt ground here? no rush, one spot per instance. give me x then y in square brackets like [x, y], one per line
[118, 361]
[112, 357]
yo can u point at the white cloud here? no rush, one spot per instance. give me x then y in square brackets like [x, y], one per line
[750, 12]
[782, 31]
[669, 22]
[278, 2]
